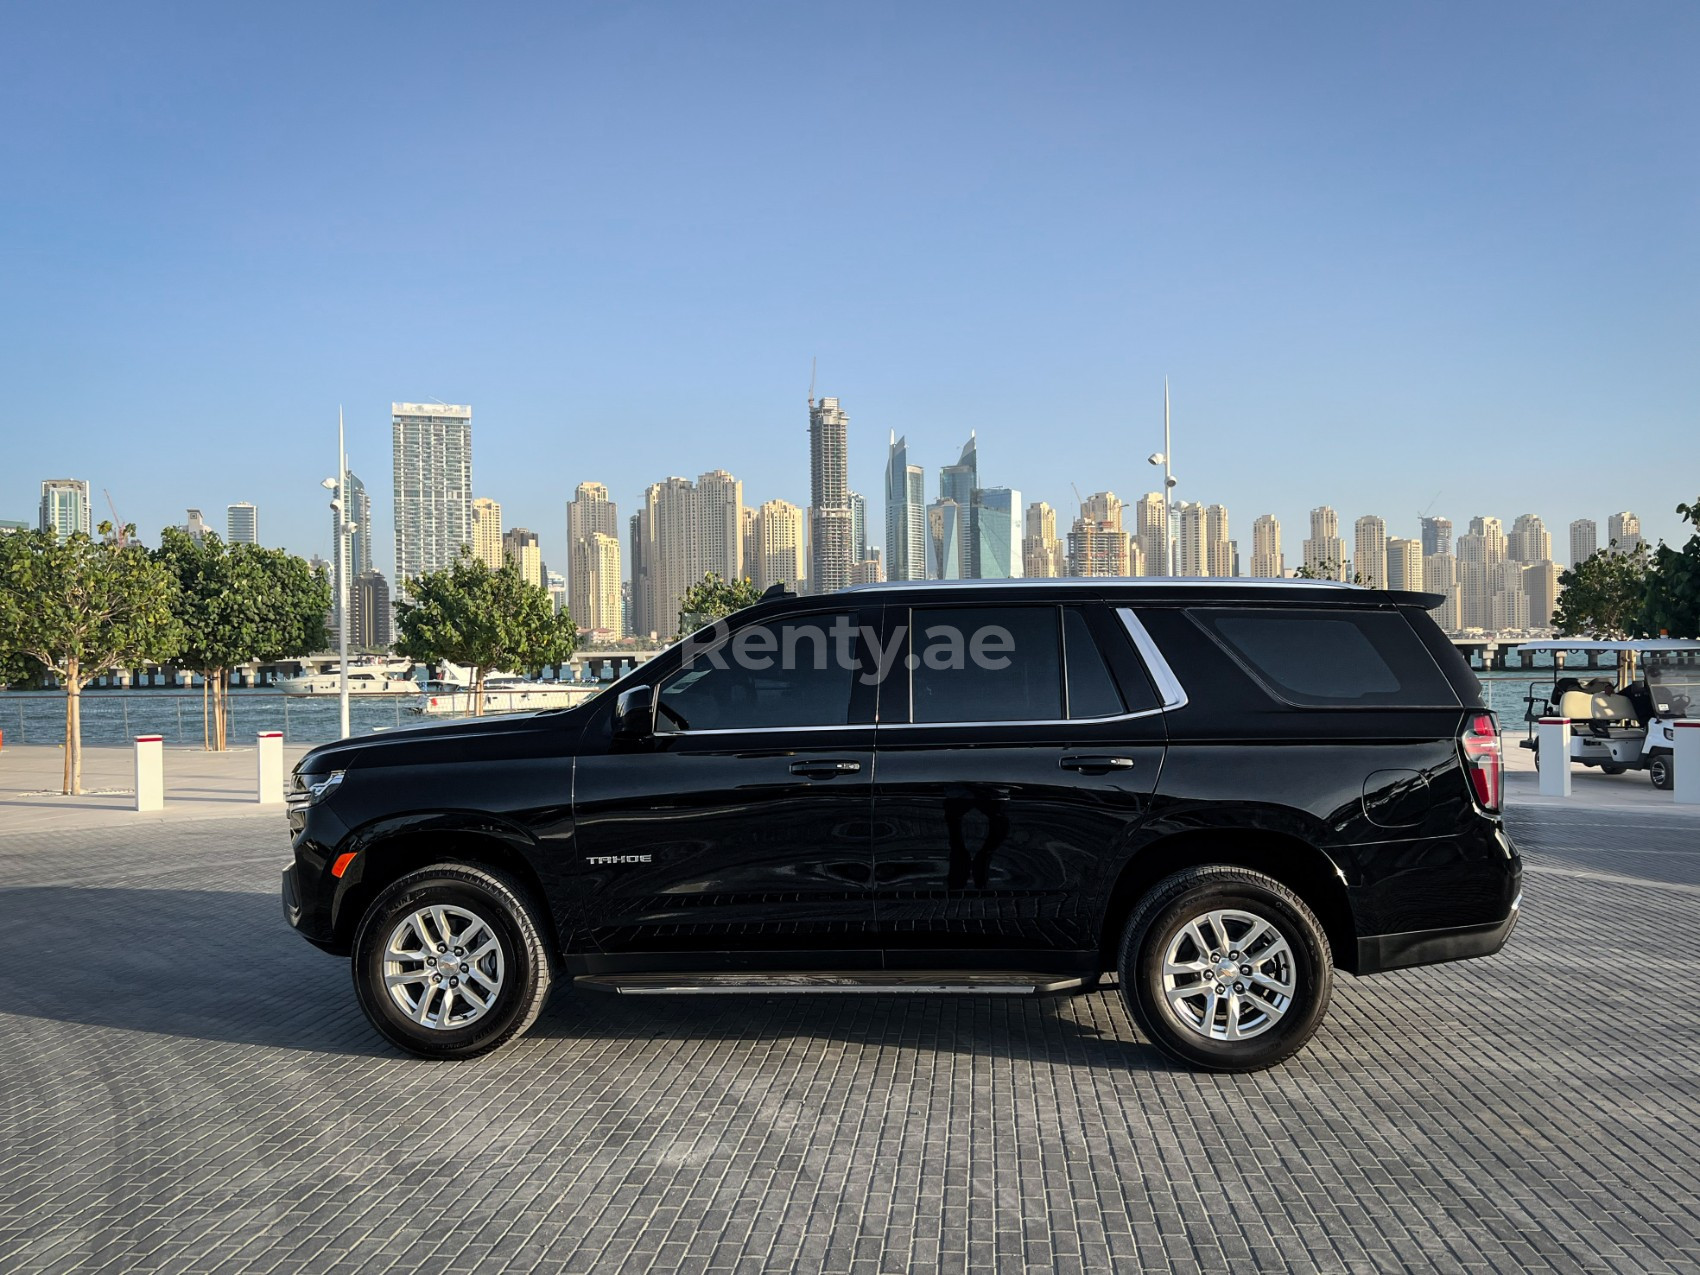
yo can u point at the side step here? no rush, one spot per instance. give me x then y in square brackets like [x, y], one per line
[975, 982]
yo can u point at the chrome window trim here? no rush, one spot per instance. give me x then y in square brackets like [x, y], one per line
[1170, 693]
[762, 730]
[1023, 721]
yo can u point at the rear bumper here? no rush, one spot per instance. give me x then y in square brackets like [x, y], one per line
[1380, 952]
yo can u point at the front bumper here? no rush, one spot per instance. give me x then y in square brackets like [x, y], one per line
[1380, 952]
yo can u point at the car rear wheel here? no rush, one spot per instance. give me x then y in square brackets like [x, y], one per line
[1225, 969]
[450, 962]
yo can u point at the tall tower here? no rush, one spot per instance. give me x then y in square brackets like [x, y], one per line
[1437, 536]
[242, 523]
[432, 453]
[1529, 541]
[1584, 540]
[360, 539]
[1623, 532]
[905, 514]
[961, 483]
[1369, 553]
[719, 518]
[1267, 560]
[1042, 554]
[487, 532]
[830, 528]
[1151, 526]
[778, 539]
[520, 546]
[997, 528]
[65, 506]
[591, 513]
[1325, 551]
[1219, 550]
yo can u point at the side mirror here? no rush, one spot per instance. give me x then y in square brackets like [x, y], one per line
[634, 713]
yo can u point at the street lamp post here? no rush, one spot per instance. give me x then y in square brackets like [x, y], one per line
[1165, 458]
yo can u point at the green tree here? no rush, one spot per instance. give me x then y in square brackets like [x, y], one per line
[78, 608]
[238, 603]
[468, 614]
[711, 599]
[1325, 570]
[1602, 595]
[1671, 604]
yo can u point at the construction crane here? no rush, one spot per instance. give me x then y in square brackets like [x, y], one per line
[1423, 512]
[117, 522]
[811, 385]
[1079, 504]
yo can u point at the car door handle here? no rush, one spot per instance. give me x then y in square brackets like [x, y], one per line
[823, 769]
[1095, 762]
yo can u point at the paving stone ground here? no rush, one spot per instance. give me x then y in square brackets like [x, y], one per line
[187, 1086]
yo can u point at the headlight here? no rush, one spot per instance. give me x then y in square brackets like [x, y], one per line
[310, 790]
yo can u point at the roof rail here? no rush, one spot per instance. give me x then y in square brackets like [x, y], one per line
[1144, 582]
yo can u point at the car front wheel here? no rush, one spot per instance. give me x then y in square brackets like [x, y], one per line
[450, 962]
[1225, 969]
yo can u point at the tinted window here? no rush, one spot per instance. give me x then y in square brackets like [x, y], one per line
[783, 673]
[985, 664]
[1344, 657]
[1091, 690]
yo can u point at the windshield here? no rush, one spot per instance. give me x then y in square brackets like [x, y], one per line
[1673, 681]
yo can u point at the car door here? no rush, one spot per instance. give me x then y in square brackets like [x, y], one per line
[742, 824]
[1014, 766]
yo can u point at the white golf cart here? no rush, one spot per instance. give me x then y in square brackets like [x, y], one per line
[1620, 722]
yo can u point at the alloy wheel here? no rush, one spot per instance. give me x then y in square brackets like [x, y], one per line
[1229, 974]
[444, 966]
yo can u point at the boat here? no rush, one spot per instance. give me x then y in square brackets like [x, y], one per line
[374, 676]
[450, 694]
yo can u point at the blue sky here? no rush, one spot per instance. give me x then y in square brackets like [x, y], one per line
[1381, 252]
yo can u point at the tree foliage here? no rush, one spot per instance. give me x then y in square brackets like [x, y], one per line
[236, 603]
[1602, 595]
[1671, 603]
[712, 598]
[486, 620]
[78, 608]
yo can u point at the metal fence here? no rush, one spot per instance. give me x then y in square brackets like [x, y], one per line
[117, 717]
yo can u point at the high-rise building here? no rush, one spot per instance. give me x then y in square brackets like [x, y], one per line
[557, 590]
[520, 546]
[242, 523]
[859, 524]
[1479, 552]
[1096, 547]
[1437, 536]
[591, 513]
[1540, 586]
[432, 453]
[1405, 564]
[360, 514]
[1369, 559]
[870, 570]
[1267, 560]
[1584, 540]
[1042, 553]
[997, 527]
[1440, 575]
[195, 527]
[747, 540]
[1221, 558]
[1529, 541]
[487, 532]
[1105, 507]
[1151, 526]
[1623, 532]
[370, 626]
[830, 531]
[594, 578]
[946, 527]
[1508, 603]
[1324, 550]
[640, 617]
[905, 514]
[961, 483]
[720, 524]
[65, 506]
[779, 546]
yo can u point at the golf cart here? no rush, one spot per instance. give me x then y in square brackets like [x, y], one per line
[1620, 722]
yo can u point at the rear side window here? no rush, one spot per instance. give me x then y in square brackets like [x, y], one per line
[1091, 690]
[1332, 658]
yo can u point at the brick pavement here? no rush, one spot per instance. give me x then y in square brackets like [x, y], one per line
[189, 1087]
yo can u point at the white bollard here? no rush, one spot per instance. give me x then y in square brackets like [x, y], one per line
[1685, 760]
[1554, 736]
[150, 772]
[268, 746]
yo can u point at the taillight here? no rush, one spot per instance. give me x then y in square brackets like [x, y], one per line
[1483, 760]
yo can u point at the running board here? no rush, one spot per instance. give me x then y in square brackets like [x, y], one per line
[976, 982]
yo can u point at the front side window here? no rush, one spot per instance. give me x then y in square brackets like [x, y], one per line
[985, 664]
[788, 672]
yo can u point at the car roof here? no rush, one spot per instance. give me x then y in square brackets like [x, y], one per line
[1134, 589]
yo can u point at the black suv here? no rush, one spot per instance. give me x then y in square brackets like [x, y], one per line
[1217, 790]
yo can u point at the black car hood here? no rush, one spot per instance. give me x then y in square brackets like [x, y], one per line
[507, 735]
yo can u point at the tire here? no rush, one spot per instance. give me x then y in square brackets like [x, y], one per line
[506, 962]
[1662, 771]
[1612, 768]
[1290, 960]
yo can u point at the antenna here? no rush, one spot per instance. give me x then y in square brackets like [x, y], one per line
[811, 384]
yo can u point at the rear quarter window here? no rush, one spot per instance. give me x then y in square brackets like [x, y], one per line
[1331, 658]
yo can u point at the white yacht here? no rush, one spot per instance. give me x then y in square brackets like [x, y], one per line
[450, 693]
[372, 675]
